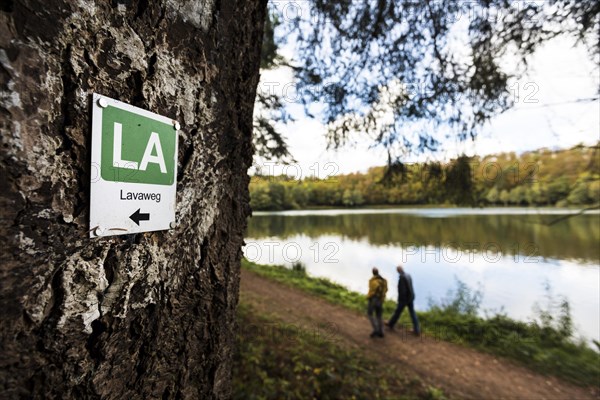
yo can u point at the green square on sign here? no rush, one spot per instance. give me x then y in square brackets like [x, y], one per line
[136, 149]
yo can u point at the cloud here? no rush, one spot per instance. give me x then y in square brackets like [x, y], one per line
[547, 113]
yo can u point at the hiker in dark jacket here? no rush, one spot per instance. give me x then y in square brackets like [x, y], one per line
[406, 298]
[376, 296]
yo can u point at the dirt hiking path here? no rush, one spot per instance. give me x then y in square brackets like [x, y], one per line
[460, 372]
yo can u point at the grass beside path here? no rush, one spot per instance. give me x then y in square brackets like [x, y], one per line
[545, 347]
[274, 360]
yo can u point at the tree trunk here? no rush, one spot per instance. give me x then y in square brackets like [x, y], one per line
[124, 317]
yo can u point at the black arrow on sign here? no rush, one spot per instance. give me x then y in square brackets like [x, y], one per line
[137, 217]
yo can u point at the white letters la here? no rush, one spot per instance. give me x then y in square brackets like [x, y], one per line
[159, 159]
[117, 144]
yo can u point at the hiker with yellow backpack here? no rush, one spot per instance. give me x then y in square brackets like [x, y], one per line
[376, 296]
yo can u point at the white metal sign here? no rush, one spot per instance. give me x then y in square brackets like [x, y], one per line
[134, 169]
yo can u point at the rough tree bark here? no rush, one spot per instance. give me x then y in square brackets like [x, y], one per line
[139, 316]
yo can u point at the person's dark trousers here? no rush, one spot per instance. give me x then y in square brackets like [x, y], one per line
[376, 307]
[411, 310]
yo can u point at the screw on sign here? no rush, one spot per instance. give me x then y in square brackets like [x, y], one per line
[135, 152]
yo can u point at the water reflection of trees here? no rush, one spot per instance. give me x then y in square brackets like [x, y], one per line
[573, 238]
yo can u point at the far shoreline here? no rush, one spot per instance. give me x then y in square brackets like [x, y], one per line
[407, 207]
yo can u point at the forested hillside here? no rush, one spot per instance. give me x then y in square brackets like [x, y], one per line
[537, 178]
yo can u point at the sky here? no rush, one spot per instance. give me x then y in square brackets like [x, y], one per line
[546, 114]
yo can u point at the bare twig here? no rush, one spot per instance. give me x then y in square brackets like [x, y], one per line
[563, 217]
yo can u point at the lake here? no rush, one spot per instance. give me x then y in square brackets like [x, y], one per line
[516, 257]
